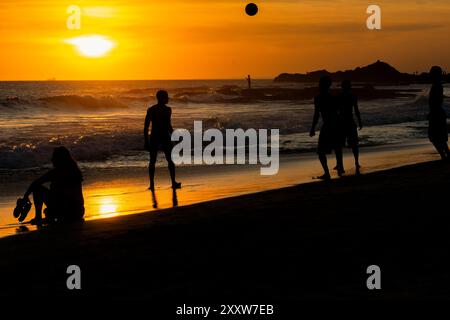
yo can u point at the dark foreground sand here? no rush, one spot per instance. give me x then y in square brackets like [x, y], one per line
[311, 241]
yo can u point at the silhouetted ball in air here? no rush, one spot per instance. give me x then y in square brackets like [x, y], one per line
[251, 9]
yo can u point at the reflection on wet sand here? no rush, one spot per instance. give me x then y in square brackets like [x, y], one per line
[126, 198]
[174, 198]
[155, 199]
[128, 195]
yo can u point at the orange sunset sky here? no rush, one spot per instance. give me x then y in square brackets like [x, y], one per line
[215, 39]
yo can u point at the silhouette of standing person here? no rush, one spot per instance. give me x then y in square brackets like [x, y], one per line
[329, 138]
[347, 102]
[64, 200]
[249, 82]
[159, 116]
[437, 117]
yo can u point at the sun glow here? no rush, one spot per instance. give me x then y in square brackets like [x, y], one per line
[198, 39]
[107, 206]
[94, 46]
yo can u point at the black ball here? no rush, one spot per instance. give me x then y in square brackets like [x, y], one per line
[251, 9]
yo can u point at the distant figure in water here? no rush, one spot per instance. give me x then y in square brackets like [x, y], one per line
[159, 116]
[329, 138]
[347, 102]
[437, 118]
[64, 199]
[249, 82]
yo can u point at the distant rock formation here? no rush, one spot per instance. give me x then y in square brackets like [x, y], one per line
[378, 72]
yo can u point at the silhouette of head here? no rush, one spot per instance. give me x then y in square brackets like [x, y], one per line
[162, 96]
[62, 159]
[436, 74]
[61, 156]
[346, 85]
[325, 84]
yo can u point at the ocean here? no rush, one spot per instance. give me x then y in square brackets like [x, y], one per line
[101, 122]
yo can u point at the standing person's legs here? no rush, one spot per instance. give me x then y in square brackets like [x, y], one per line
[443, 150]
[355, 150]
[437, 134]
[171, 165]
[446, 150]
[151, 166]
[353, 141]
[324, 163]
[324, 147]
[339, 161]
[339, 138]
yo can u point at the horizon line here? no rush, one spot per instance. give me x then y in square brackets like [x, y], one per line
[71, 80]
[214, 79]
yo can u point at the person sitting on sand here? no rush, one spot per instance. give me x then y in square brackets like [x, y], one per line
[329, 138]
[437, 117]
[159, 116]
[347, 102]
[64, 200]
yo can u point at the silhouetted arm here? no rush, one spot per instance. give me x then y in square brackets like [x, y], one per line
[440, 96]
[38, 182]
[316, 116]
[358, 115]
[170, 122]
[148, 119]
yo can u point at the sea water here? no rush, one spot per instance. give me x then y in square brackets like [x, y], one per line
[101, 122]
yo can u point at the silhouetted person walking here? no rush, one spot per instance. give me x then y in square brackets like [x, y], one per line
[64, 200]
[347, 102]
[329, 138]
[437, 118]
[159, 116]
[249, 82]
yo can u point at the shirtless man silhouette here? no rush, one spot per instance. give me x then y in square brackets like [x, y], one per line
[329, 138]
[159, 116]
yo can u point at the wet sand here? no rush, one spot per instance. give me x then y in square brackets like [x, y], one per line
[116, 192]
[310, 241]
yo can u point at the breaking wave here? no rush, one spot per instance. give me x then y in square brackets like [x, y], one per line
[63, 103]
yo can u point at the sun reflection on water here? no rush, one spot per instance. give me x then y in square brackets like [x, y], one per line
[108, 207]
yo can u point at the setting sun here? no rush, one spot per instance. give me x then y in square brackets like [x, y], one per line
[94, 46]
[197, 39]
